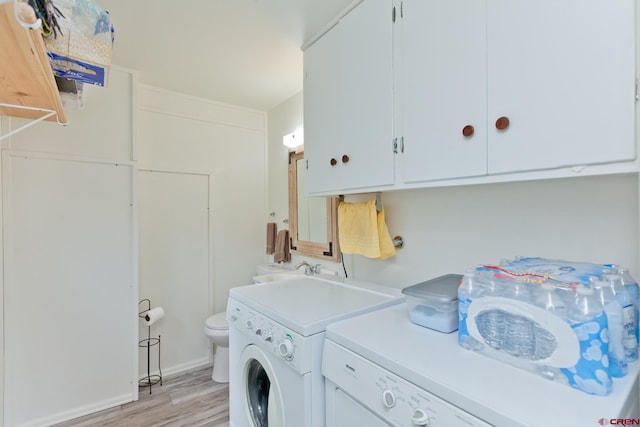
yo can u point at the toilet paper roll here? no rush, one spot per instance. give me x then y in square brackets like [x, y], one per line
[153, 315]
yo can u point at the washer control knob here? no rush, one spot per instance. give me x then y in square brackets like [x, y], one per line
[268, 337]
[259, 331]
[249, 323]
[285, 348]
[420, 418]
[388, 398]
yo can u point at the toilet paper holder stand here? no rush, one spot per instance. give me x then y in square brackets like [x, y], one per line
[149, 380]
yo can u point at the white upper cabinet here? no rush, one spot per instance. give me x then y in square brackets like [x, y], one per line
[348, 102]
[563, 73]
[441, 76]
[558, 77]
[473, 91]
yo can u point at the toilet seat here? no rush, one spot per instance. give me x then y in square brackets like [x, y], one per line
[217, 322]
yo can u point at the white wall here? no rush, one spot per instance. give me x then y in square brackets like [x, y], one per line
[449, 229]
[178, 135]
[174, 266]
[283, 120]
[70, 268]
[198, 145]
[104, 129]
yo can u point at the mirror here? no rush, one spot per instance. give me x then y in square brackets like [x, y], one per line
[313, 221]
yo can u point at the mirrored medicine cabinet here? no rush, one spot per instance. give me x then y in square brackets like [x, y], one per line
[313, 221]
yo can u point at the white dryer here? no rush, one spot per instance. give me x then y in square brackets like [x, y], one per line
[381, 369]
[276, 335]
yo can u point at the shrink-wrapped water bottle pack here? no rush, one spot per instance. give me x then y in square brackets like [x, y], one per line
[571, 322]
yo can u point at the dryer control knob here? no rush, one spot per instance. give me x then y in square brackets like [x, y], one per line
[388, 398]
[249, 323]
[259, 331]
[420, 418]
[268, 337]
[285, 348]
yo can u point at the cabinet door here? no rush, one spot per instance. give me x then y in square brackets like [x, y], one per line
[348, 102]
[69, 280]
[563, 73]
[443, 88]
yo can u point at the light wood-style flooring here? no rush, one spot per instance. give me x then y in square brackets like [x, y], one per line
[187, 400]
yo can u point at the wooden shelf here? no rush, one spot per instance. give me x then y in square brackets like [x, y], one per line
[26, 78]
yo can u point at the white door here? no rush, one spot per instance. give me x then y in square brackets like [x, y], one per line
[174, 265]
[441, 73]
[349, 413]
[563, 73]
[69, 288]
[348, 102]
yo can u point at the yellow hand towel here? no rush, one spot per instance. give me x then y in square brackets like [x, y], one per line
[362, 230]
[386, 244]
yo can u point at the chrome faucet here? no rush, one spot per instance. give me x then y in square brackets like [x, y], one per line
[309, 270]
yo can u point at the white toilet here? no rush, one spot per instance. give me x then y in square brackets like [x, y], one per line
[217, 328]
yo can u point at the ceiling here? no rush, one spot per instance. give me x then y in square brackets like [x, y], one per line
[241, 52]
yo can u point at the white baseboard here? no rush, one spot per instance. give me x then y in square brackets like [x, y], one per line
[168, 372]
[78, 412]
[182, 368]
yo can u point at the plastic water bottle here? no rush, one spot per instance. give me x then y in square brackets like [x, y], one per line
[628, 316]
[585, 306]
[613, 310]
[468, 290]
[631, 286]
[549, 299]
[468, 287]
[491, 323]
[517, 291]
[519, 330]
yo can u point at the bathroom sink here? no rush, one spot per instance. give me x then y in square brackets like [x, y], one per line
[272, 277]
[270, 269]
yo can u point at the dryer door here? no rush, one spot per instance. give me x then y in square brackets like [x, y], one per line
[263, 396]
[349, 413]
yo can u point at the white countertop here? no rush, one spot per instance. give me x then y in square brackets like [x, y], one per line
[494, 391]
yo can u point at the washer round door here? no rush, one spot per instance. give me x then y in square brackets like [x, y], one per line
[263, 397]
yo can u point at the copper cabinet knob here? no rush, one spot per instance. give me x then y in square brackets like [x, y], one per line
[468, 130]
[345, 158]
[502, 123]
[333, 162]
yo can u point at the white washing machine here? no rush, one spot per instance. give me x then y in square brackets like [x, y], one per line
[383, 370]
[276, 336]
